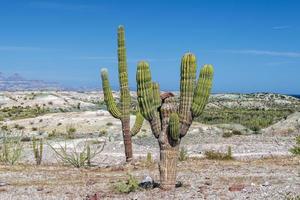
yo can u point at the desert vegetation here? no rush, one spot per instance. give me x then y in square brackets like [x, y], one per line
[189, 144]
[254, 119]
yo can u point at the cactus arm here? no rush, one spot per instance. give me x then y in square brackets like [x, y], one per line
[202, 90]
[145, 91]
[167, 109]
[187, 84]
[123, 75]
[156, 95]
[174, 126]
[145, 97]
[108, 97]
[139, 119]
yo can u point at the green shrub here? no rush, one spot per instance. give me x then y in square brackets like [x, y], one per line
[251, 118]
[227, 134]
[52, 134]
[102, 132]
[75, 157]
[4, 128]
[17, 126]
[183, 155]
[109, 124]
[214, 155]
[71, 130]
[296, 149]
[292, 197]
[236, 132]
[149, 157]
[131, 184]
[19, 112]
[11, 150]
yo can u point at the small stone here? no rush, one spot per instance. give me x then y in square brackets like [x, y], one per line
[95, 196]
[147, 179]
[178, 184]
[90, 182]
[3, 190]
[40, 189]
[202, 189]
[207, 183]
[3, 184]
[266, 184]
[236, 187]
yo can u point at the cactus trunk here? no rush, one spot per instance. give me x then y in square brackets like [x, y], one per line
[167, 167]
[127, 139]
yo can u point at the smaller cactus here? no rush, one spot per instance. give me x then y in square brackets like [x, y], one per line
[174, 126]
[121, 110]
[37, 150]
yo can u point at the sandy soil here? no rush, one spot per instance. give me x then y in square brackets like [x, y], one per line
[202, 179]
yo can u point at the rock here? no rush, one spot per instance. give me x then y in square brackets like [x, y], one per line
[236, 187]
[178, 184]
[147, 183]
[95, 196]
[208, 183]
[202, 189]
[3, 190]
[147, 179]
[3, 184]
[265, 184]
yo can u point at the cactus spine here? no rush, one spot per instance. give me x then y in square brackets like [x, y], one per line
[169, 121]
[121, 111]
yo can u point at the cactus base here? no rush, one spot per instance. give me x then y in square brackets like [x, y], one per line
[167, 167]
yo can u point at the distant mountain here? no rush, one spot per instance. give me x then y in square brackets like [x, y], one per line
[16, 82]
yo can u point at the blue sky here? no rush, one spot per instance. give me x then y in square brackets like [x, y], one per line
[253, 45]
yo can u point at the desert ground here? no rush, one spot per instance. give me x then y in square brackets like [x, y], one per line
[259, 128]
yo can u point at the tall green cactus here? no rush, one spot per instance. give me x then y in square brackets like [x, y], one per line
[170, 121]
[121, 111]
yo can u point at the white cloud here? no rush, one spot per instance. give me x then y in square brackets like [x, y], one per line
[97, 58]
[60, 6]
[280, 63]
[264, 53]
[281, 27]
[114, 59]
[19, 48]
